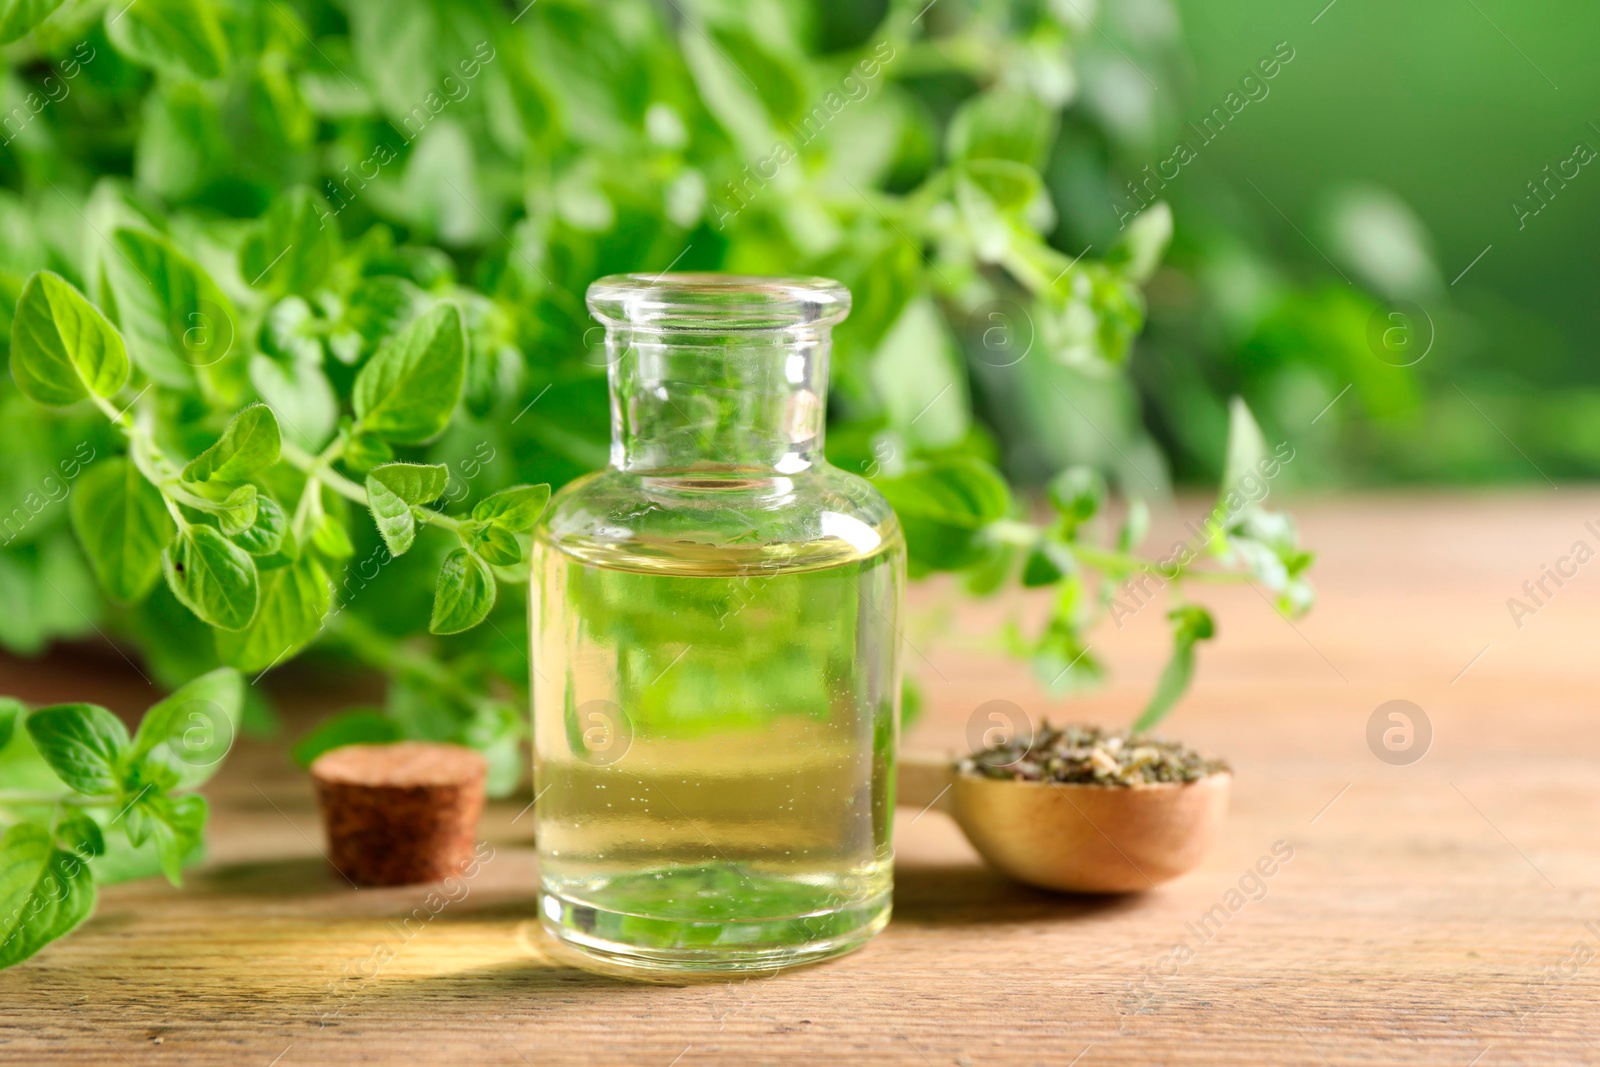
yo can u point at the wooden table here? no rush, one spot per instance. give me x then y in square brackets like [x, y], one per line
[1442, 912]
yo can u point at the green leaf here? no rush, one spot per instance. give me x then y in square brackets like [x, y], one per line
[365, 451]
[1191, 625]
[294, 601]
[407, 391]
[376, 308]
[415, 483]
[294, 246]
[1062, 661]
[1247, 449]
[464, 594]
[183, 38]
[1004, 123]
[1139, 250]
[44, 892]
[80, 835]
[515, 509]
[995, 197]
[175, 319]
[1048, 562]
[11, 712]
[212, 577]
[393, 489]
[62, 348]
[496, 544]
[249, 443]
[943, 507]
[193, 728]
[84, 744]
[365, 726]
[19, 17]
[235, 507]
[266, 535]
[1134, 525]
[331, 539]
[122, 523]
[300, 391]
[918, 372]
[176, 825]
[1077, 494]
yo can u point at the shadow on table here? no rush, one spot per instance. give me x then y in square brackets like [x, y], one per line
[972, 895]
[308, 876]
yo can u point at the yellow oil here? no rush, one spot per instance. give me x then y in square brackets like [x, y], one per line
[714, 738]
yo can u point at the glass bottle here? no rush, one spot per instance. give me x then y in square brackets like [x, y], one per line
[715, 630]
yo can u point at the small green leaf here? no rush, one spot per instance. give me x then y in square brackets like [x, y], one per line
[212, 577]
[364, 726]
[1191, 625]
[176, 825]
[1247, 450]
[1134, 525]
[299, 391]
[235, 507]
[415, 483]
[392, 489]
[331, 539]
[80, 835]
[62, 348]
[407, 391]
[193, 728]
[376, 308]
[183, 38]
[44, 892]
[515, 509]
[84, 744]
[1078, 494]
[1140, 248]
[464, 594]
[123, 524]
[1003, 123]
[994, 197]
[294, 601]
[1062, 661]
[365, 451]
[266, 535]
[392, 515]
[496, 544]
[294, 246]
[123, 862]
[1048, 562]
[19, 17]
[943, 507]
[249, 443]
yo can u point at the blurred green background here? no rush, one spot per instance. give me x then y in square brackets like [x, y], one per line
[1399, 134]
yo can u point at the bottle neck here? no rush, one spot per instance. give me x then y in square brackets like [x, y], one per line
[746, 400]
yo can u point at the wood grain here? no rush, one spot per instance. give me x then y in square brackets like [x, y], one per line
[1446, 912]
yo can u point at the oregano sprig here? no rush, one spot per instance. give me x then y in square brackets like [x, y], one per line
[959, 515]
[99, 805]
[225, 545]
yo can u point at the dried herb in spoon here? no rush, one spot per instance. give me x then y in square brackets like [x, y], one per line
[1088, 755]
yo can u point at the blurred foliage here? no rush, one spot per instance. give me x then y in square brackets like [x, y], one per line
[1302, 272]
[307, 189]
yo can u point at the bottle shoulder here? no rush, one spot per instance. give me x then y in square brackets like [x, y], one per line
[816, 517]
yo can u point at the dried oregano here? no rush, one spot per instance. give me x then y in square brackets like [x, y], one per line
[1088, 755]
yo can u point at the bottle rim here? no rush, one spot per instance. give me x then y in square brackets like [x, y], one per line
[711, 301]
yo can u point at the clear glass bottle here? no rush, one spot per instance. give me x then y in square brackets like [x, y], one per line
[715, 629]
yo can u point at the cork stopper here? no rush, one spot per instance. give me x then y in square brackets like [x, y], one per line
[400, 814]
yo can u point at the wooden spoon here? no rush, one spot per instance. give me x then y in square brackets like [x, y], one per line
[1073, 838]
